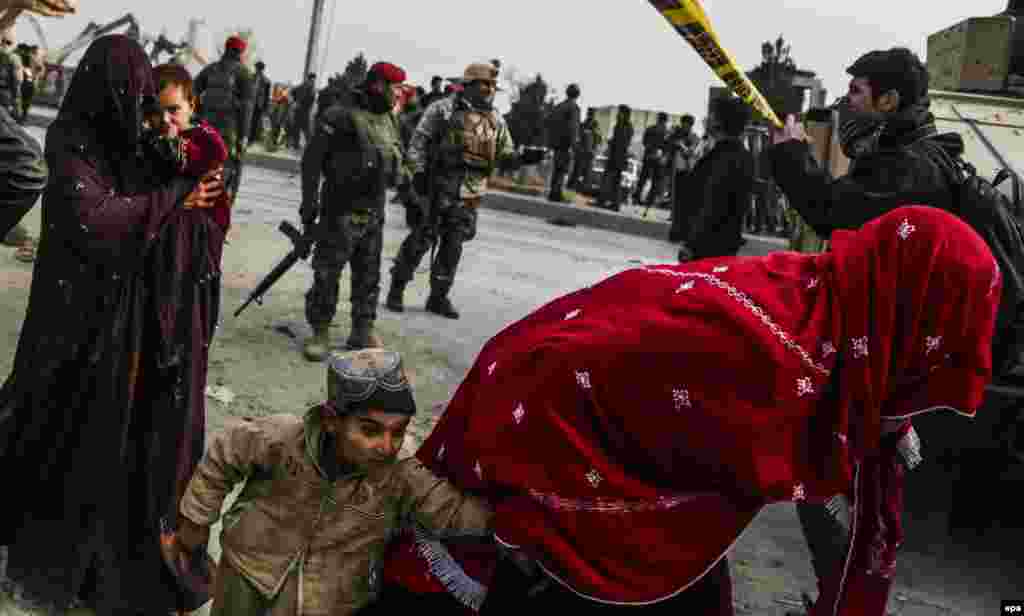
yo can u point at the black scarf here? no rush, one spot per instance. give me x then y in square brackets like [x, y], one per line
[863, 134]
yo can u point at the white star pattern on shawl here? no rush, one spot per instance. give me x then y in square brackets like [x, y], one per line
[827, 349]
[932, 343]
[841, 437]
[681, 398]
[804, 386]
[905, 229]
[594, 477]
[860, 347]
[440, 453]
[721, 269]
[490, 369]
[583, 378]
[686, 286]
[478, 470]
[573, 314]
[996, 275]
[518, 414]
[799, 493]
[813, 282]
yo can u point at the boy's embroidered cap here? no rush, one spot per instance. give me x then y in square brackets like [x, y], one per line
[369, 378]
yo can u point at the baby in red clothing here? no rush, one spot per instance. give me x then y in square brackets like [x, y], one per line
[189, 149]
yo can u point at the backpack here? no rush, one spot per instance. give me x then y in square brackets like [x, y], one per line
[219, 95]
[994, 217]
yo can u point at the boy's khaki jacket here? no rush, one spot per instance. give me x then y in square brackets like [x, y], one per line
[291, 520]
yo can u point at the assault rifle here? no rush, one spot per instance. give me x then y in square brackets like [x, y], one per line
[302, 243]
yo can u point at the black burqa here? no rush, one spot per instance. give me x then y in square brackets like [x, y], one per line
[102, 416]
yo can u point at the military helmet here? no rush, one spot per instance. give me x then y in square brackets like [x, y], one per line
[479, 72]
[368, 378]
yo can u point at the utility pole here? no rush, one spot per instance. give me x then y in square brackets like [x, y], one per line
[314, 38]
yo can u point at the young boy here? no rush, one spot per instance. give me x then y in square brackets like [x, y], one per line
[323, 496]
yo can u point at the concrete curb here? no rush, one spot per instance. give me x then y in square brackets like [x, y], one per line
[534, 207]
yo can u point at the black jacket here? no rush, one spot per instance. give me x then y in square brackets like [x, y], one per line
[22, 169]
[897, 174]
[721, 185]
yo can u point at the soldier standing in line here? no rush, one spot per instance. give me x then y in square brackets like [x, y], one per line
[457, 145]
[655, 160]
[359, 151]
[586, 146]
[303, 98]
[563, 131]
[261, 102]
[618, 158]
[225, 93]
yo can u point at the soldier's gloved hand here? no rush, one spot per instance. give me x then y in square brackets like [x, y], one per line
[307, 213]
[420, 184]
[531, 157]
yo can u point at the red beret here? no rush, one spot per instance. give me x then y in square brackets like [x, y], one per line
[237, 43]
[388, 72]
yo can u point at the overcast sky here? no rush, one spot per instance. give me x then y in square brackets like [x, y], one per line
[619, 51]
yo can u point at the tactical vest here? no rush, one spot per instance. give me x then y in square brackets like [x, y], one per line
[8, 78]
[471, 141]
[219, 95]
[371, 163]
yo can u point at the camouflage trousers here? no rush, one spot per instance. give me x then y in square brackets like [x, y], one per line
[456, 224]
[356, 239]
[228, 130]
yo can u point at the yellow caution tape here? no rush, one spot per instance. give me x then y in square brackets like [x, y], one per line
[690, 20]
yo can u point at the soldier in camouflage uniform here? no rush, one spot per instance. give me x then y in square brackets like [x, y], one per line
[11, 72]
[358, 149]
[226, 92]
[457, 145]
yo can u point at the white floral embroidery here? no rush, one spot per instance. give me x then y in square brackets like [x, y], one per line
[611, 505]
[860, 347]
[478, 470]
[490, 369]
[518, 414]
[996, 277]
[594, 477]
[749, 304]
[841, 437]
[813, 282]
[932, 343]
[681, 398]
[573, 314]
[799, 492]
[721, 269]
[440, 453]
[827, 349]
[686, 286]
[804, 386]
[583, 378]
[905, 229]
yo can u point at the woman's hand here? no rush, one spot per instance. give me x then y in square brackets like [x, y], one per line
[210, 188]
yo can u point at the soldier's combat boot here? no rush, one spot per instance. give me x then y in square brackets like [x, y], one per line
[440, 304]
[394, 302]
[362, 336]
[318, 345]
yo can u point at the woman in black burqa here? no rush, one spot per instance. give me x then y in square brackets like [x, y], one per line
[102, 416]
